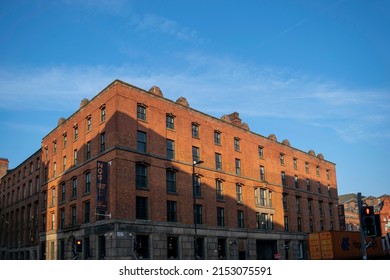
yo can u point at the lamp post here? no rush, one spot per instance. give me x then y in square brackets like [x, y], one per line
[194, 206]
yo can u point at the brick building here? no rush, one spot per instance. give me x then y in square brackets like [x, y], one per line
[351, 211]
[381, 206]
[19, 211]
[252, 197]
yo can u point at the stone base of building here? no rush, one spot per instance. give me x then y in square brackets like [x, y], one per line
[123, 240]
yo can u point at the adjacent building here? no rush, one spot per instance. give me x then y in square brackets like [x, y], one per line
[381, 206]
[134, 175]
[20, 189]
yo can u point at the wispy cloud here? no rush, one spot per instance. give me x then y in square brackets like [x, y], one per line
[158, 24]
[216, 85]
[101, 6]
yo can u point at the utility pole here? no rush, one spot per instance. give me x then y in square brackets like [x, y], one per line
[362, 233]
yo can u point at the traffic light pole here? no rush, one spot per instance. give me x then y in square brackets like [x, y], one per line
[362, 233]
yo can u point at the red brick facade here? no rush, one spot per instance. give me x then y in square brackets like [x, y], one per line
[257, 196]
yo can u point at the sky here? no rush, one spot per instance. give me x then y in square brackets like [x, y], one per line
[314, 72]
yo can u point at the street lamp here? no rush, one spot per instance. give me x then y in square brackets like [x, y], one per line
[194, 205]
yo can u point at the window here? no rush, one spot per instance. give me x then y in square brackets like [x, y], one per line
[142, 247]
[286, 223]
[170, 149]
[318, 170]
[74, 187]
[218, 161]
[171, 211]
[171, 181]
[141, 112]
[261, 151]
[103, 113]
[200, 252]
[75, 157]
[195, 154]
[307, 167]
[64, 139]
[54, 169]
[64, 163]
[88, 150]
[197, 186]
[295, 163]
[89, 123]
[309, 206]
[281, 157]
[141, 176]
[285, 199]
[53, 196]
[319, 187]
[311, 225]
[308, 187]
[73, 217]
[88, 182]
[329, 192]
[173, 247]
[62, 219]
[328, 174]
[238, 166]
[299, 222]
[102, 142]
[284, 183]
[141, 141]
[44, 223]
[298, 204]
[170, 121]
[240, 218]
[264, 221]
[54, 147]
[75, 132]
[63, 191]
[331, 209]
[237, 144]
[321, 225]
[219, 189]
[217, 137]
[198, 214]
[320, 208]
[262, 173]
[300, 249]
[220, 216]
[87, 212]
[30, 187]
[141, 208]
[195, 130]
[221, 249]
[296, 182]
[53, 221]
[263, 197]
[239, 193]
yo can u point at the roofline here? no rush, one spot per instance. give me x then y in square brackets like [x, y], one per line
[177, 104]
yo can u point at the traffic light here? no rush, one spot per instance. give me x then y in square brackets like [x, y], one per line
[78, 246]
[368, 220]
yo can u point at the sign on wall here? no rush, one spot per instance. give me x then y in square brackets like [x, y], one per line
[101, 184]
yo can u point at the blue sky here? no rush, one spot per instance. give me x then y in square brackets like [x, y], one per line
[314, 72]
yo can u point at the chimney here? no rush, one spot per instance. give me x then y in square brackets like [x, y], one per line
[3, 166]
[83, 102]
